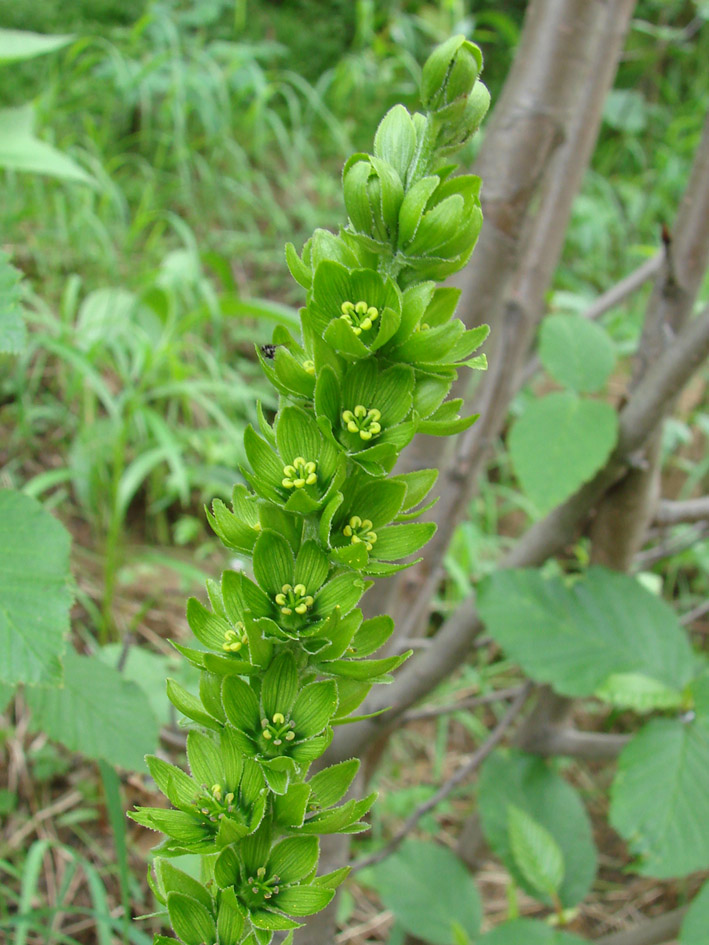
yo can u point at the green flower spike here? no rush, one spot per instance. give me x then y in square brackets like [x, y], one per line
[300, 469]
[273, 883]
[222, 802]
[368, 412]
[356, 312]
[286, 726]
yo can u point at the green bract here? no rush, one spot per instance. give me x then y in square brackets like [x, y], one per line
[284, 654]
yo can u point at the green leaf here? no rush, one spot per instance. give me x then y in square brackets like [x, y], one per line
[559, 443]
[398, 541]
[511, 777]
[230, 921]
[428, 888]
[13, 334]
[576, 637]
[576, 352]
[21, 151]
[189, 705]
[536, 853]
[314, 707]
[304, 900]
[696, 922]
[639, 693]
[97, 713]
[22, 44]
[331, 784]
[529, 932]
[190, 919]
[659, 799]
[294, 858]
[35, 590]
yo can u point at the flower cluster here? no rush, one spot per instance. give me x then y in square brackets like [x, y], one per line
[284, 654]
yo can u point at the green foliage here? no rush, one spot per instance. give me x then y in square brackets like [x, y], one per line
[430, 891]
[696, 922]
[578, 437]
[659, 801]
[97, 712]
[576, 635]
[12, 326]
[537, 824]
[529, 932]
[577, 353]
[36, 592]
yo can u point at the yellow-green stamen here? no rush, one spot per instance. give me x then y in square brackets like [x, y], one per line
[294, 599]
[363, 421]
[359, 531]
[299, 473]
[360, 316]
[309, 366]
[278, 730]
[235, 639]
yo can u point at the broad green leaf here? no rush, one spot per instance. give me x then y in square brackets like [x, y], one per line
[529, 932]
[660, 797]
[21, 151]
[639, 693]
[536, 853]
[189, 918]
[575, 637]
[576, 352]
[511, 777]
[696, 922]
[13, 334]
[6, 693]
[22, 44]
[559, 443]
[96, 712]
[428, 888]
[35, 591]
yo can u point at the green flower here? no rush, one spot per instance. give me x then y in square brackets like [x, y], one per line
[273, 883]
[300, 468]
[368, 412]
[355, 312]
[222, 802]
[289, 366]
[309, 808]
[286, 725]
[356, 526]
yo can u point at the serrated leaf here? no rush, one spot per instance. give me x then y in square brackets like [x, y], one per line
[559, 443]
[536, 853]
[660, 797]
[576, 352]
[97, 713]
[575, 637]
[35, 591]
[511, 777]
[428, 888]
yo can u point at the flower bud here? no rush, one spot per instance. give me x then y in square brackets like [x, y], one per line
[454, 134]
[373, 194]
[449, 75]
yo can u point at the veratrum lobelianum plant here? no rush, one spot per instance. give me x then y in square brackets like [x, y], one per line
[284, 656]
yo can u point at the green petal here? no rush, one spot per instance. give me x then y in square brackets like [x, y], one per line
[293, 859]
[359, 386]
[418, 484]
[264, 462]
[366, 669]
[172, 879]
[378, 501]
[189, 705]
[340, 336]
[230, 921]
[331, 287]
[315, 706]
[447, 427]
[209, 628]
[395, 393]
[205, 759]
[291, 374]
[372, 634]
[240, 594]
[280, 685]
[241, 705]
[252, 782]
[311, 567]
[429, 393]
[177, 786]
[343, 591]
[330, 785]
[272, 921]
[297, 434]
[232, 531]
[303, 900]
[443, 305]
[175, 823]
[398, 541]
[273, 562]
[327, 396]
[190, 919]
[289, 808]
[232, 759]
[226, 868]
[254, 849]
[312, 748]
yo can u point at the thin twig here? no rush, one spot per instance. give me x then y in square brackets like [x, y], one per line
[462, 773]
[674, 513]
[573, 743]
[417, 715]
[695, 613]
[671, 546]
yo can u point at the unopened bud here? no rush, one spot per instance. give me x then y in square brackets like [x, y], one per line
[449, 75]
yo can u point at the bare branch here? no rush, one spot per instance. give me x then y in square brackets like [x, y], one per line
[592, 746]
[463, 772]
[418, 715]
[654, 932]
[695, 613]
[674, 513]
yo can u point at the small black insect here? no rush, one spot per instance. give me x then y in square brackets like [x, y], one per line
[269, 351]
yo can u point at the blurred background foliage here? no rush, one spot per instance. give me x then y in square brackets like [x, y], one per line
[213, 132]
